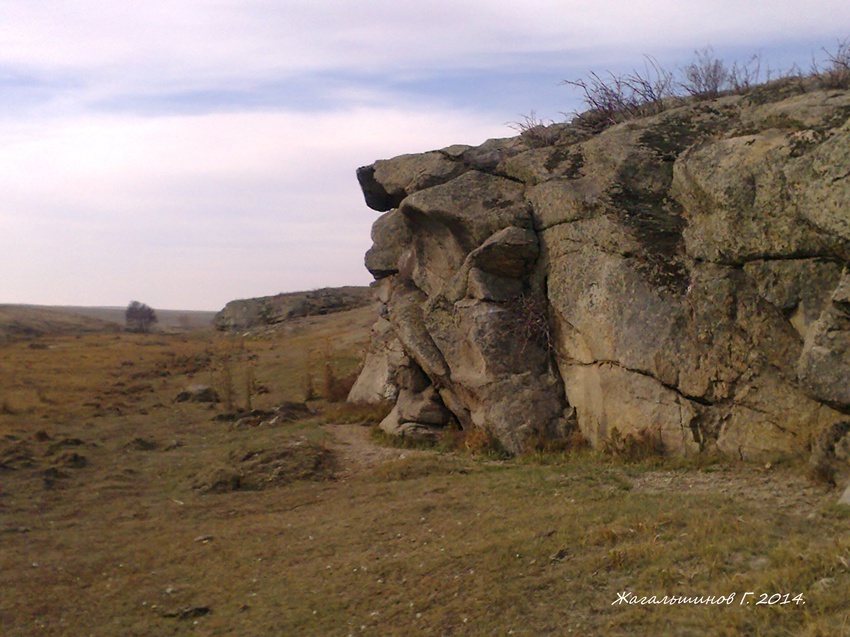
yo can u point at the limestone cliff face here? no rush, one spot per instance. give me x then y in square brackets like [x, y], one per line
[683, 274]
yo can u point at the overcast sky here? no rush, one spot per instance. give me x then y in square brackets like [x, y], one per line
[185, 153]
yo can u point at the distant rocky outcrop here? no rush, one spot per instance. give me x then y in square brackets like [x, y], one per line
[682, 276]
[268, 310]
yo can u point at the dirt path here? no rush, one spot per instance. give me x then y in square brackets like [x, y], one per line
[360, 453]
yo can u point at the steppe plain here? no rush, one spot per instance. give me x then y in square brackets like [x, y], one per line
[126, 512]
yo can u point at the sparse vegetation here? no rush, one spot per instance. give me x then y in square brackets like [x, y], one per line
[836, 73]
[126, 513]
[480, 441]
[530, 320]
[706, 76]
[611, 98]
[537, 132]
[234, 375]
[474, 442]
[322, 378]
[541, 446]
[634, 447]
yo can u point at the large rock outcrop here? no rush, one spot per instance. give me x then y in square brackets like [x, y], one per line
[682, 276]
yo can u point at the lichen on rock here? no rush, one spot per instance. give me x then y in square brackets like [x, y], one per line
[689, 270]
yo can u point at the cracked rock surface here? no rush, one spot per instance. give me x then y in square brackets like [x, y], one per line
[682, 276]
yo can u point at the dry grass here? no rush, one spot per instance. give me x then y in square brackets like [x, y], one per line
[612, 98]
[109, 528]
[647, 445]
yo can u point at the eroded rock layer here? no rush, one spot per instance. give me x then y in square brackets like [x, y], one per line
[682, 276]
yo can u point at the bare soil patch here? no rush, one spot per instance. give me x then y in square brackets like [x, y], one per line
[358, 453]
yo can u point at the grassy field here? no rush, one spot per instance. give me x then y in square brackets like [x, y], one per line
[33, 321]
[124, 512]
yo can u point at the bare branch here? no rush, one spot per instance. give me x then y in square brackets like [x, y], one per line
[706, 76]
[837, 72]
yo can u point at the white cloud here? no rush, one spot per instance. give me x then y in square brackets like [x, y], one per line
[194, 42]
[240, 204]
[100, 203]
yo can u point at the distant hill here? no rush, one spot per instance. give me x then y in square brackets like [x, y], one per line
[168, 320]
[27, 321]
[33, 321]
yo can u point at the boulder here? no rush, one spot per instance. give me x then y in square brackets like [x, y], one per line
[769, 419]
[509, 253]
[387, 182]
[824, 365]
[424, 407]
[393, 425]
[377, 381]
[390, 237]
[490, 287]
